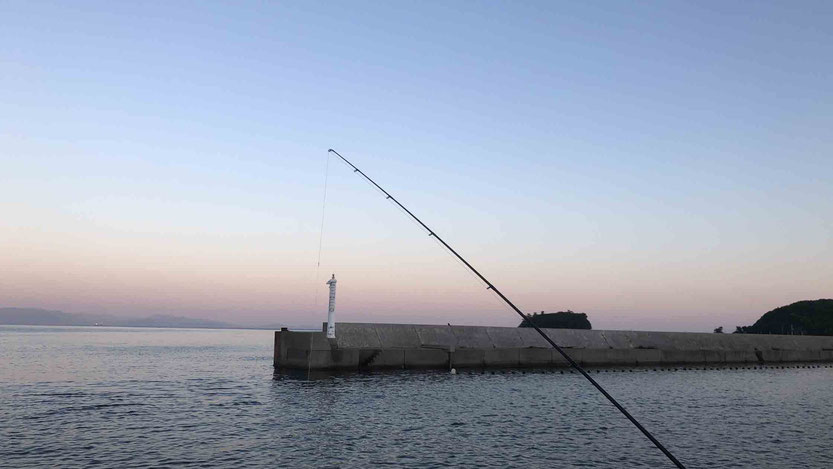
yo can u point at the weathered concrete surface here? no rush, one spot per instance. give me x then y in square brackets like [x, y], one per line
[360, 345]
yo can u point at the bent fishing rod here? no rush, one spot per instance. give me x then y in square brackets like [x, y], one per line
[490, 286]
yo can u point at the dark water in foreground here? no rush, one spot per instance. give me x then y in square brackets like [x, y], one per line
[119, 397]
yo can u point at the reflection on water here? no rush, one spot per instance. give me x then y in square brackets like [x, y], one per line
[152, 397]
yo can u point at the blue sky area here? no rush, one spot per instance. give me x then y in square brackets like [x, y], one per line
[657, 165]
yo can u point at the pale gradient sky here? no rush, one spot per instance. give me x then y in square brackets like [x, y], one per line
[657, 165]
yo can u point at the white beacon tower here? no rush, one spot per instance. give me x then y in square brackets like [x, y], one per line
[331, 311]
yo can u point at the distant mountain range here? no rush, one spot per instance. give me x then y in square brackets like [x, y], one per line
[44, 317]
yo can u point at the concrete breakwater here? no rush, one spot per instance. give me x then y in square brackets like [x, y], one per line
[365, 345]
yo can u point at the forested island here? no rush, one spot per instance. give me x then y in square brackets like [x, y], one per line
[560, 320]
[809, 317]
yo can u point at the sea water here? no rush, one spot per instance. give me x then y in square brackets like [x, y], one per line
[135, 397]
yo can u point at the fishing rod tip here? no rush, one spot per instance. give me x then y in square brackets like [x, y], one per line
[331, 150]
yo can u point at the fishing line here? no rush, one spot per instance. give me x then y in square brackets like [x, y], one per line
[321, 231]
[506, 300]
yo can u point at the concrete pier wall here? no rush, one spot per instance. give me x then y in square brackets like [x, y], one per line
[364, 345]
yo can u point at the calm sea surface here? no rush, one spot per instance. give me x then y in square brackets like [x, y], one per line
[122, 397]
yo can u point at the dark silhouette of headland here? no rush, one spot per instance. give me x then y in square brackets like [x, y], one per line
[808, 317]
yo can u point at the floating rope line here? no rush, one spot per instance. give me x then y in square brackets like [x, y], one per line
[490, 286]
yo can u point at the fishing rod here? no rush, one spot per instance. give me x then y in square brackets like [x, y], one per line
[490, 286]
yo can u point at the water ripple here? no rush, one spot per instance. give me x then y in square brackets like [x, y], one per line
[209, 399]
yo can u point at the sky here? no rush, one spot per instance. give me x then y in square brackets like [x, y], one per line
[656, 165]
